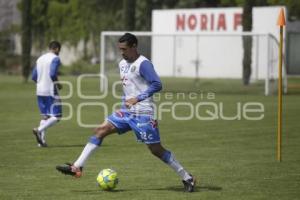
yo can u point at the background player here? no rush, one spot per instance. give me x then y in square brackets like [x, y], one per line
[140, 82]
[45, 75]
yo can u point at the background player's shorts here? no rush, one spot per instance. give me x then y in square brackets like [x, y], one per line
[49, 105]
[144, 126]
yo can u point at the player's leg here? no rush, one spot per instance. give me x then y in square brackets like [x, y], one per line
[115, 123]
[43, 133]
[166, 156]
[48, 123]
[54, 111]
[42, 104]
[146, 130]
[40, 136]
[95, 141]
[51, 111]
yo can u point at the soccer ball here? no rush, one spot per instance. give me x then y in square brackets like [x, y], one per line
[107, 179]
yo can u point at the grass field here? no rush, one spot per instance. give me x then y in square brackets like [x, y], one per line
[232, 159]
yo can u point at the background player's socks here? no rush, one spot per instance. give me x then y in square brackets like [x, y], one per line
[170, 160]
[89, 148]
[49, 122]
[42, 122]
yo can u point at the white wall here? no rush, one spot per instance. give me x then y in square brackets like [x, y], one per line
[218, 56]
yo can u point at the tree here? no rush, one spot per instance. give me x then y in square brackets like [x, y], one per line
[129, 14]
[143, 15]
[293, 7]
[73, 21]
[261, 3]
[65, 23]
[39, 23]
[101, 15]
[26, 38]
[247, 40]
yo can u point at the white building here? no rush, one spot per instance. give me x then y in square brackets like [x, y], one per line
[212, 53]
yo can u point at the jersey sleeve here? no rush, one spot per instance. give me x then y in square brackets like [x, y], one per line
[54, 68]
[148, 73]
[34, 74]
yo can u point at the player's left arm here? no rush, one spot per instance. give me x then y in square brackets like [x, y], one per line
[54, 71]
[34, 74]
[148, 73]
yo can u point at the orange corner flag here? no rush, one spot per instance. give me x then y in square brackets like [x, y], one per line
[281, 18]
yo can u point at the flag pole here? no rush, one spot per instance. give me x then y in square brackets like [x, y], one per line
[281, 24]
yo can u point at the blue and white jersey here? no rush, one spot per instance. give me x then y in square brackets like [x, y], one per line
[140, 80]
[45, 74]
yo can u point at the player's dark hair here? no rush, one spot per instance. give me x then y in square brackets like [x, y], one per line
[129, 38]
[54, 45]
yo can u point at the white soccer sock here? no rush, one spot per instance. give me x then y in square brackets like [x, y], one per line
[43, 133]
[85, 154]
[49, 122]
[174, 164]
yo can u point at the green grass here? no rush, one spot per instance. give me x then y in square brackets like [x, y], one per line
[231, 159]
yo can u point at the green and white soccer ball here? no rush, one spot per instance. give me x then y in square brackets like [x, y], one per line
[107, 179]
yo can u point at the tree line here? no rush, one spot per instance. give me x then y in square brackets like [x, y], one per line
[70, 21]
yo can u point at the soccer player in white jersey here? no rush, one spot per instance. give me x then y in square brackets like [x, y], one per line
[140, 82]
[45, 75]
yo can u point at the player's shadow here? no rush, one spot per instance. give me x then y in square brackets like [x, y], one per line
[71, 146]
[66, 146]
[200, 188]
[209, 188]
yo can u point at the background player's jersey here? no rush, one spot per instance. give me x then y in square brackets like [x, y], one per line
[140, 80]
[45, 74]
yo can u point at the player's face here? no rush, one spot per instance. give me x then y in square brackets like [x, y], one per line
[127, 52]
[56, 51]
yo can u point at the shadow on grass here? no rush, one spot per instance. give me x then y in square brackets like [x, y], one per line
[71, 146]
[66, 146]
[201, 188]
[198, 188]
